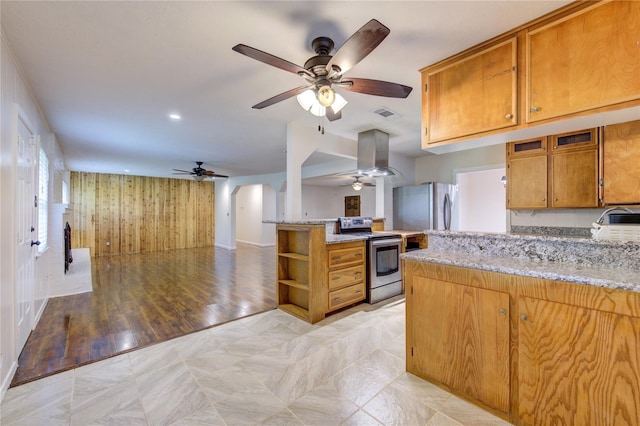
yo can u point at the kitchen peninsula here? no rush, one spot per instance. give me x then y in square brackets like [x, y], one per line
[324, 265]
[537, 329]
[308, 253]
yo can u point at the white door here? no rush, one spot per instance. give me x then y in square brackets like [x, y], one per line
[26, 220]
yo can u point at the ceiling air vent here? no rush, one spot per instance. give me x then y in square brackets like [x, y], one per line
[385, 112]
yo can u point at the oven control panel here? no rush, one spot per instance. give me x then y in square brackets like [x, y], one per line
[355, 222]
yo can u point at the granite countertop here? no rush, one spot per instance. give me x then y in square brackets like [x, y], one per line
[622, 279]
[344, 238]
[405, 233]
[301, 221]
[610, 264]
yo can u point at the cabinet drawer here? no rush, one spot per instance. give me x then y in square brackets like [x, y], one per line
[346, 256]
[341, 277]
[346, 296]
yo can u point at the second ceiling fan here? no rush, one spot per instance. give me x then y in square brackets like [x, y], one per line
[325, 70]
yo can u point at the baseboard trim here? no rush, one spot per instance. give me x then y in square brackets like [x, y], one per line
[6, 381]
[39, 313]
[225, 247]
[253, 243]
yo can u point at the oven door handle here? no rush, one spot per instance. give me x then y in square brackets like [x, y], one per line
[386, 242]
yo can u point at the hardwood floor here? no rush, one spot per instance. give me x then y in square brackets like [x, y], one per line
[142, 299]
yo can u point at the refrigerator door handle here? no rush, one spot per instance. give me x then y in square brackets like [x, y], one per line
[446, 212]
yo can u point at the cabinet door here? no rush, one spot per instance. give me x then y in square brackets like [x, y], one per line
[527, 182]
[461, 338]
[473, 95]
[588, 60]
[620, 171]
[574, 179]
[577, 366]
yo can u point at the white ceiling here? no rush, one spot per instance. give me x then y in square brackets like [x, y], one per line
[107, 74]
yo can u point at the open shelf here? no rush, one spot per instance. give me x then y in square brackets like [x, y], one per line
[297, 256]
[294, 283]
[300, 279]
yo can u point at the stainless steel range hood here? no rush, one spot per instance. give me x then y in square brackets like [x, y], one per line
[373, 153]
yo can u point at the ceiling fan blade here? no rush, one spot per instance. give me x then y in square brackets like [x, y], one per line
[269, 59]
[183, 171]
[375, 87]
[333, 116]
[281, 97]
[359, 45]
[209, 173]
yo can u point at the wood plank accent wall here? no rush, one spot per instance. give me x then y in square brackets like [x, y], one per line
[140, 214]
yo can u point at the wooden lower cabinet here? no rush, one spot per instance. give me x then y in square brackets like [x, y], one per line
[577, 366]
[458, 335]
[568, 355]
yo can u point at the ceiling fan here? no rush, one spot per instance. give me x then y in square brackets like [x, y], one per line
[325, 70]
[358, 184]
[199, 173]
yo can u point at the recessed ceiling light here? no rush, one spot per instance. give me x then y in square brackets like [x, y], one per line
[175, 116]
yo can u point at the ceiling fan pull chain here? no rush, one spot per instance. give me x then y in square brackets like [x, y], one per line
[321, 125]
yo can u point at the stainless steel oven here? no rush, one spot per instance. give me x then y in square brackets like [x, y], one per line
[384, 274]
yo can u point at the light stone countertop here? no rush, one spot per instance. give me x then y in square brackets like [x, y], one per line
[302, 221]
[611, 264]
[343, 238]
[600, 276]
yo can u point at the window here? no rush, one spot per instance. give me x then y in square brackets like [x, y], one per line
[65, 193]
[43, 200]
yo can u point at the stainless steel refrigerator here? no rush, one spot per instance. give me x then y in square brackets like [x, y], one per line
[427, 206]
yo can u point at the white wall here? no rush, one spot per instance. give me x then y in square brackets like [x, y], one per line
[255, 203]
[14, 90]
[442, 167]
[226, 206]
[566, 218]
[481, 203]
[323, 202]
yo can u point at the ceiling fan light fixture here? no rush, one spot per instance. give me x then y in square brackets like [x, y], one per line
[306, 99]
[338, 103]
[357, 185]
[326, 96]
[199, 178]
[309, 102]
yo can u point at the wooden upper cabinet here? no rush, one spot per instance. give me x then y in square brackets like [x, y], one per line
[574, 179]
[527, 174]
[565, 166]
[584, 61]
[574, 169]
[620, 172]
[471, 95]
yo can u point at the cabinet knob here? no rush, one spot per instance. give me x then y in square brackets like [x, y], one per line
[535, 109]
[524, 317]
[508, 116]
[502, 312]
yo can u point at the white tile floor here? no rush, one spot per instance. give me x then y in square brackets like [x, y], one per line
[268, 369]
